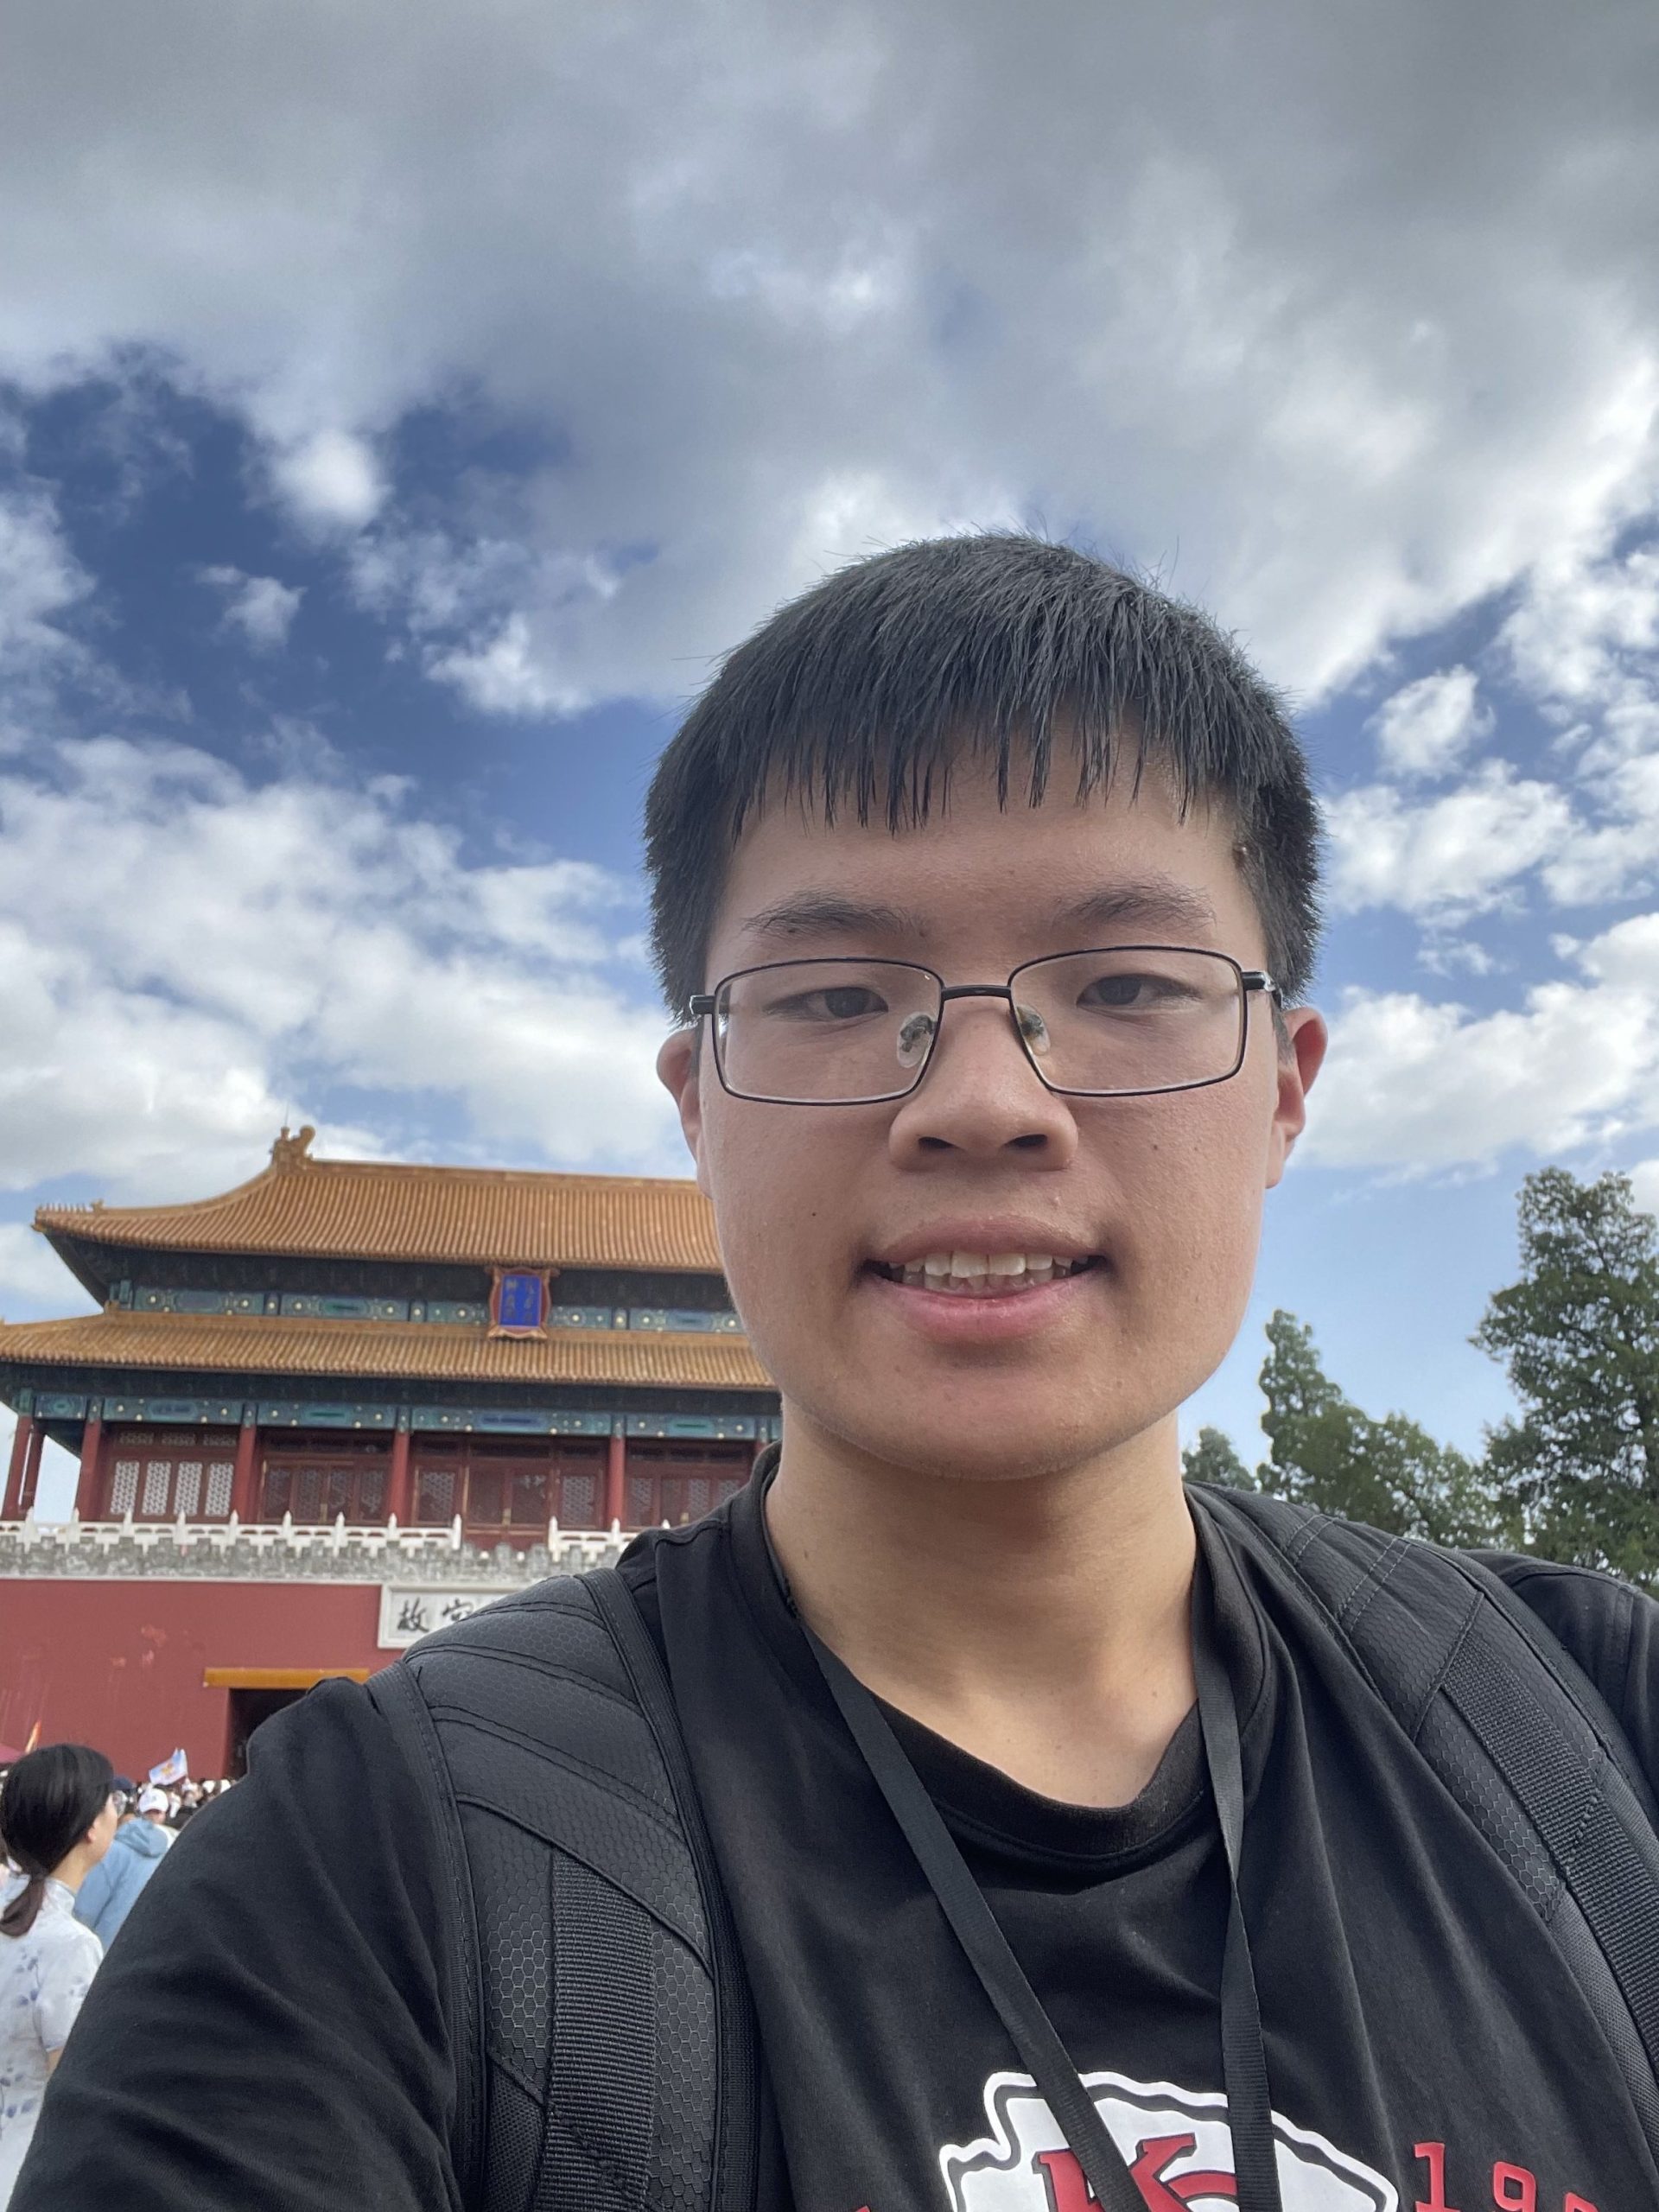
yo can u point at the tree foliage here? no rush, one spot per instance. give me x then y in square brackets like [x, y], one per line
[1211, 1459]
[1328, 1453]
[1578, 1336]
[1574, 1477]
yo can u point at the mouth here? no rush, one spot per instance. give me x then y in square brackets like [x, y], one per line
[984, 1274]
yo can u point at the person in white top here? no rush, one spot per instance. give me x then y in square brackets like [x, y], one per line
[57, 1817]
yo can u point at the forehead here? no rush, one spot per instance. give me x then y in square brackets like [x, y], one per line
[1127, 861]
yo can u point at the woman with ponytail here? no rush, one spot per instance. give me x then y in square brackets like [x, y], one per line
[57, 1817]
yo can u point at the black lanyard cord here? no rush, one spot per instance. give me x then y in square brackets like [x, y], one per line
[1243, 2053]
[1244, 2069]
[962, 1903]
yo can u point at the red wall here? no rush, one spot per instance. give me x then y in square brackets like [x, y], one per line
[119, 1664]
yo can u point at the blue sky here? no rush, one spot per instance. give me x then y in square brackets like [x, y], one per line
[399, 413]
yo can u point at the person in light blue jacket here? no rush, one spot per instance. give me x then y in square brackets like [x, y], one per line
[107, 1894]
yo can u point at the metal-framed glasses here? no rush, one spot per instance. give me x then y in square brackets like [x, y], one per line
[1121, 1021]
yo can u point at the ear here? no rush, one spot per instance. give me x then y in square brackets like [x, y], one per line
[679, 1069]
[1298, 1070]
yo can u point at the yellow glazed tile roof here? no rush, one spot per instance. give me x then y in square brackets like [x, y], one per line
[373, 1209]
[257, 1344]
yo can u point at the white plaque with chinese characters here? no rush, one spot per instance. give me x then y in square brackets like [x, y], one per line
[407, 1615]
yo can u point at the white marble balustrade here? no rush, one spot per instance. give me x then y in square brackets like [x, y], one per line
[240, 1550]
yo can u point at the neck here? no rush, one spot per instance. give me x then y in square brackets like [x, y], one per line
[73, 1871]
[1040, 1624]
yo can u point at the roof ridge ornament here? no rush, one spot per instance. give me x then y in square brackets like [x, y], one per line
[290, 1151]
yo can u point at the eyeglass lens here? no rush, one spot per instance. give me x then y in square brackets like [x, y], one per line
[1131, 1018]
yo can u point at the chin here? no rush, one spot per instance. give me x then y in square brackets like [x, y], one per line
[948, 1440]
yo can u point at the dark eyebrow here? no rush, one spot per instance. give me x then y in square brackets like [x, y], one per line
[823, 911]
[1152, 902]
[1149, 902]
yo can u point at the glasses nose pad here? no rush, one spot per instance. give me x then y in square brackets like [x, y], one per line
[1033, 1028]
[915, 1035]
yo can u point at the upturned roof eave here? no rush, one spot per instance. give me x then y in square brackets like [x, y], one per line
[62, 1243]
[232, 1344]
[90, 1224]
[399, 1214]
[87, 1232]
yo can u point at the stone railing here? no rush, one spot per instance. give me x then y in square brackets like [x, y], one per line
[233, 1551]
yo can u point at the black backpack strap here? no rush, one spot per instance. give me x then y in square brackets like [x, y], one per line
[617, 2044]
[401, 1705]
[1514, 1729]
[733, 2056]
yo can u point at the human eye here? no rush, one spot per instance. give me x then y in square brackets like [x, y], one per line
[1136, 990]
[828, 1004]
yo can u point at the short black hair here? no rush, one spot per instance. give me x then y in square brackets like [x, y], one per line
[866, 689]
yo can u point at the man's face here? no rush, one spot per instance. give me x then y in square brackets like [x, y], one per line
[1161, 1196]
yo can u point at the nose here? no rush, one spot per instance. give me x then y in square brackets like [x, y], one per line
[980, 1097]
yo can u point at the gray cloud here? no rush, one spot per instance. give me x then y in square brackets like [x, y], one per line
[1345, 319]
[1345, 322]
[39, 581]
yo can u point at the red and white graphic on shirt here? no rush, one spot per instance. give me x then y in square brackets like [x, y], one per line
[1177, 2144]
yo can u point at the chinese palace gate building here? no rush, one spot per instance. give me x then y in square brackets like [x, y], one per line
[335, 1407]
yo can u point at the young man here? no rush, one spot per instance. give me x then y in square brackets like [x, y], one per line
[985, 891]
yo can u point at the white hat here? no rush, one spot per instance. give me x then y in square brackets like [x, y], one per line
[152, 1800]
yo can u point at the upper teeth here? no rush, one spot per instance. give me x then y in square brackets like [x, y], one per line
[989, 1263]
[976, 1270]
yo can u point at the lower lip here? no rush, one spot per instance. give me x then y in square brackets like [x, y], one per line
[955, 1318]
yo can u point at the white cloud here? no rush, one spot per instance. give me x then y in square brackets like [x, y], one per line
[106, 1079]
[1616, 855]
[1412, 1085]
[1590, 839]
[1644, 1181]
[40, 579]
[1584, 641]
[505, 675]
[184, 956]
[1426, 728]
[33, 1279]
[1581, 622]
[1358, 343]
[1626, 955]
[1455, 955]
[1457, 854]
[330, 478]
[260, 606]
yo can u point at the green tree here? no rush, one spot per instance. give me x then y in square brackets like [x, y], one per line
[1210, 1458]
[1579, 1338]
[1327, 1453]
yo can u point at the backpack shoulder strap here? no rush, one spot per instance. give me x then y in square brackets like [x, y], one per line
[1514, 1729]
[619, 2070]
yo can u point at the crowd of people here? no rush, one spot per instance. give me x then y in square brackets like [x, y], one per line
[78, 1842]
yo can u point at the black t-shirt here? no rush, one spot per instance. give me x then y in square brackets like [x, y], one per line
[1408, 1996]
[270, 2032]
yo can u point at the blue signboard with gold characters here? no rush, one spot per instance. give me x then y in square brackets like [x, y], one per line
[519, 1302]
